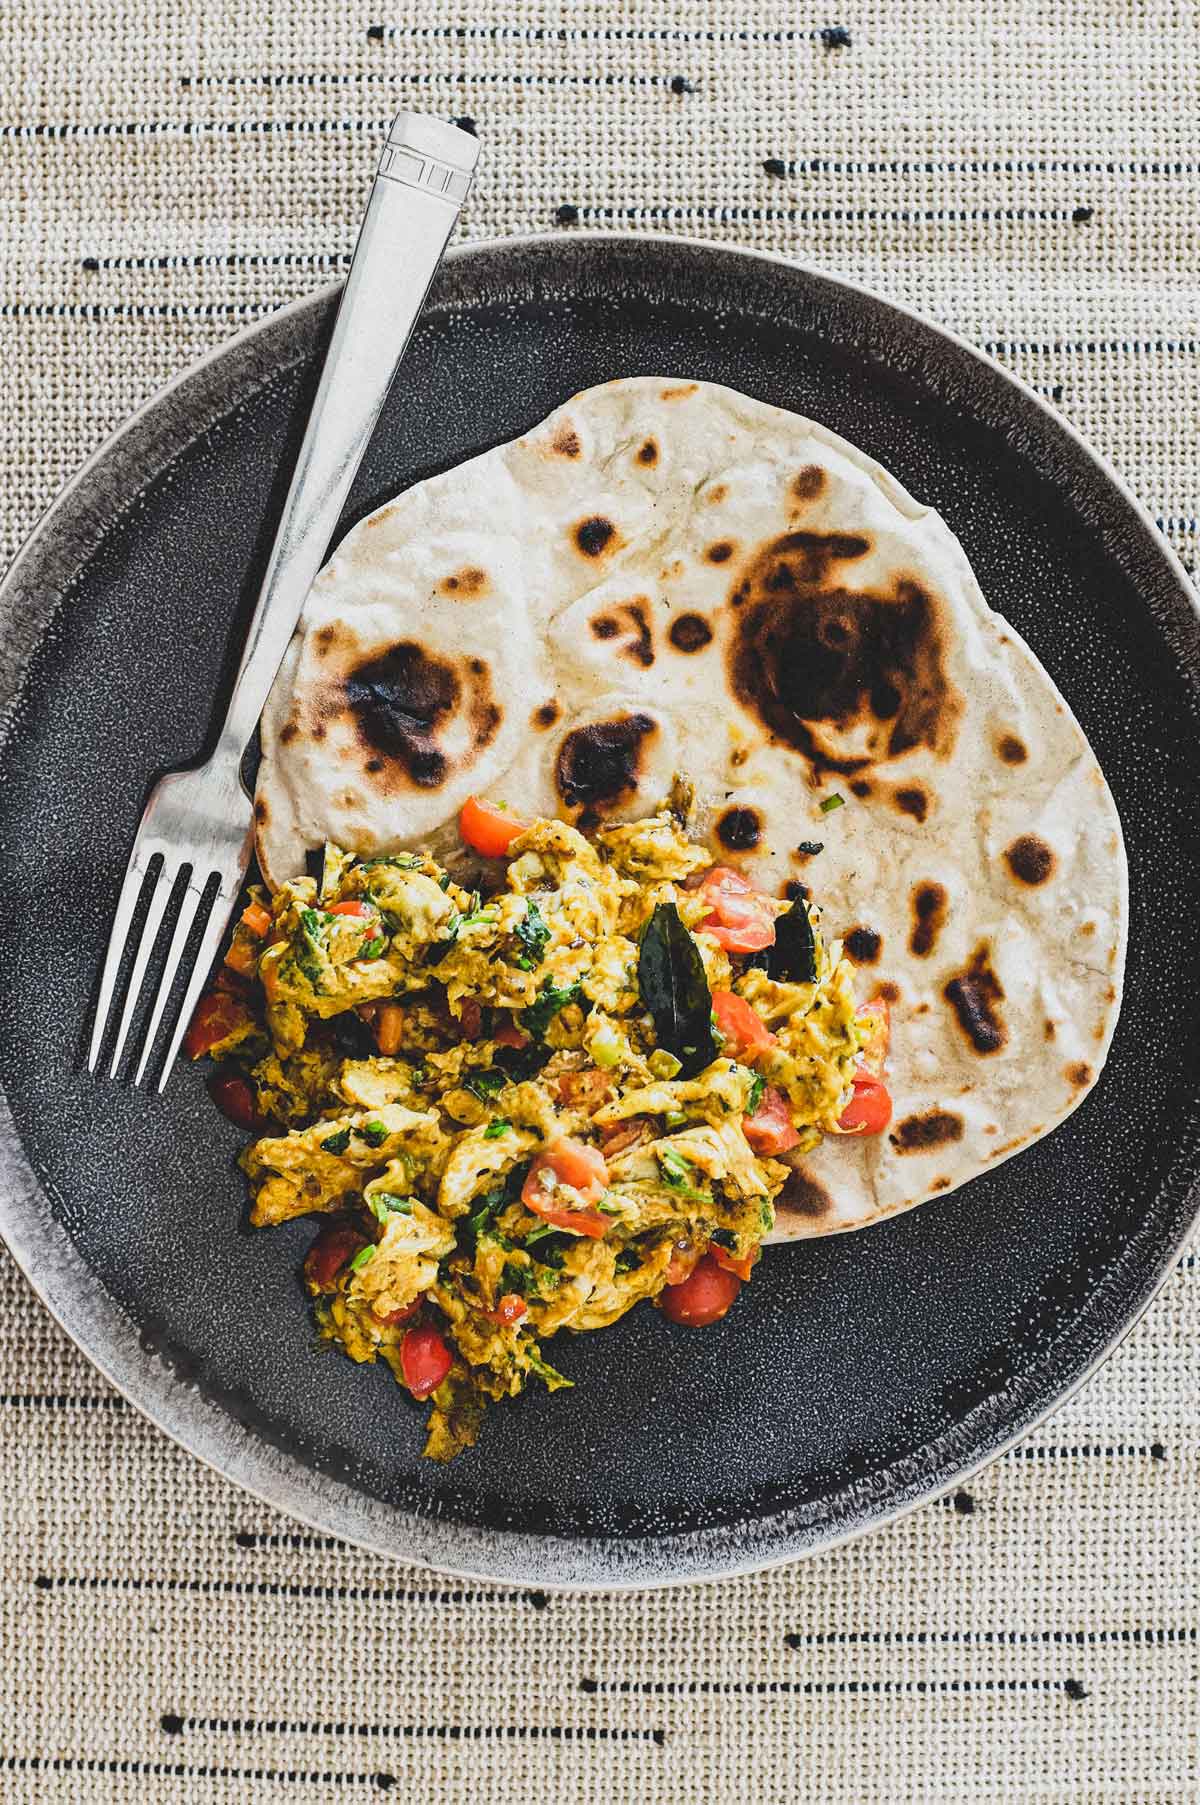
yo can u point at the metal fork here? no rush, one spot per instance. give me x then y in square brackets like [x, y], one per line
[197, 831]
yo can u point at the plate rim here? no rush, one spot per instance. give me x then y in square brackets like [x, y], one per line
[74, 1295]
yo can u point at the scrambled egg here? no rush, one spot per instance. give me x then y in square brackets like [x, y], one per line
[429, 1051]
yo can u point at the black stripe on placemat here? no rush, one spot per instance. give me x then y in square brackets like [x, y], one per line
[1054, 346]
[175, 1725]
[637, 34]
[1093, 1451]
[224, 260]
[60, 1400]
[812, 1688]
[136, 310]
[978, 166]
[263, 1588]
[186, 1770]
[246, 1538]
[1157, 1638]
[815, 215]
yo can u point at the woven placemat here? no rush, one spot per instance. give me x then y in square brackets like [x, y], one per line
[1028, 173]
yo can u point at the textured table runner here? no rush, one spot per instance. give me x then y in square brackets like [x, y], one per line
[1027, 172]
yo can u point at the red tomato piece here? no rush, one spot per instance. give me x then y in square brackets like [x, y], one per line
[355, 906]
[488, 829]
[703, 1297]
[618, 1137]
[424, 1360]
[405, 1313]
[744, 1031]
[256, 920]
[333, 1249]
[729, 1263]
[234, 1097]
[507, 1034]
[870, 1107]
[742, 919]
[583, 1089]
[509, 1309]
[242, 958]
[770, 1129]
[685, 1257]
[578, 1178]
[470, 1018]
[218, 1013]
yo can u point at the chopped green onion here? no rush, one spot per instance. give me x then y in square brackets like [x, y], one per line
[473, 920]
[337, 1143]
[832, 802]
[373, 948]
[363, 1257]
[485, 1083]
[383, 1204]
[675, 1118]
[664, 1064]
[374, 1133]
[628, 1260]
[605, 1046]
[540, 1233]
[495, 1129]
[609, 1209]
[756, 1094]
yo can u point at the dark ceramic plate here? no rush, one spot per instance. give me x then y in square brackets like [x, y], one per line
[858, 1375]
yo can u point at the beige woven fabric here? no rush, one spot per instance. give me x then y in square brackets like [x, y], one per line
[1028, 172]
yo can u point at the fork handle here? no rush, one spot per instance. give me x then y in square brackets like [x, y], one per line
[423, 178]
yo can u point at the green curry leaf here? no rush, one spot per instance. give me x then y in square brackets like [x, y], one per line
[793, 957]
[674, 988]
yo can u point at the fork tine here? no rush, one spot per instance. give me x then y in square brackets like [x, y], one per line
[218, 921]
[131, 889]
[164, 883]
[189, 903]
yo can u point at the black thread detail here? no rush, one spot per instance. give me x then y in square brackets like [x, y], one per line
[247, 1538]
[810, 1688]
[128, 310]
[250, 1726]
[180, 1770]
[171, 1724]
[964, 1504]
[986, 166]
[1081, 215]
[1056, 393]
[237, 1588]
[816, 215]
[1157, 1451]
[1088, 1450]
[466, 124]
[375, 33]
[1130, 346]
[681, 85]
[539, 34]
[774, 166]
[60, 1400]
[1150, 1638]
[1075, 1689]
[835, 37]
[566, 215]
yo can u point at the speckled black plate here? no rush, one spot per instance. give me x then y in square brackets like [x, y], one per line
[857, 1375]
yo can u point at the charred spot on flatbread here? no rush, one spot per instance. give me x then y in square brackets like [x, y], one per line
[633, 619]
[889, 991]
[690, 633]
[720, 552]
[803, 1196]
[739, 829]
[973, 995]
[545, 716]
[401, 700]
[929, 915]
[288, 732]
[260, 810]
[912, 800]
[566, 442]
[323, 639]
[808, 483]
[594, 535]
[933, 1128]
[647, 452]
[467, 584]
[861, 787]
[863, 945]
[1078, 1073]
[1049, 1030]
[848, 678]
[679, 392]
[1030, 860]
[1011, 750]
[598, 766]
[795, 891]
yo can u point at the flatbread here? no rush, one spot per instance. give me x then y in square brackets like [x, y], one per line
[670, 576]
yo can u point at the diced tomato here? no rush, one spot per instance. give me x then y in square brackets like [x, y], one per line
[507, 1034]
[744, 1031]
[870, 1107]
[769, 1129]
[356, 906]
[470, 1018]
[242, 958]
[685, 1257]
[234, 1097]
[619, 1137]
[742, 918]
[405, 1313]
[570, 1163]
[256, 920]
[583, 1089]
[877, 1017]
[218, 1013]
[424, 1360]
[730, 1263]
[333, 1249]
[703, 1297]
[488, 829]
[509, 1309]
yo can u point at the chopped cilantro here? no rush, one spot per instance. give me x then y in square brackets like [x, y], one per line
[476, 916]
[540, 1233]
[383, 1204]
[628, 1260]
[337, 1143]
[537, 1018]
[373, 948]
[534, 937]
[756, 1094]
[495, 1129]
[832, 802]
[677, 1174]
[374, 1133]
[406, 861]
[363, 1257]
[485, 1084]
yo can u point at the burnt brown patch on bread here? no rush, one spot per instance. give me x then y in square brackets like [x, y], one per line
[566, 442]
[1048, 1029]
[605, 627]
[912, 800]
[1030, 860]
[739, 829]
[647, 452]
[889, 991]
[803, 1196]
[288, 732]
[373, 766]
[1078, 1073]
[808, 483]
[401, 700]
[324, 638]
[260, 810]
[861, 786]
[716, 495]
[467, 584]
[545, 716]
[929, 915]
[848, 678]
[690, 633]
[720, 552]
[599, 766]
[933, 1128]
[595, 535]
[633, 618]
[863, 945]
[940, 1184]
[973, 995]
[1011, 750]
[679, 392]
